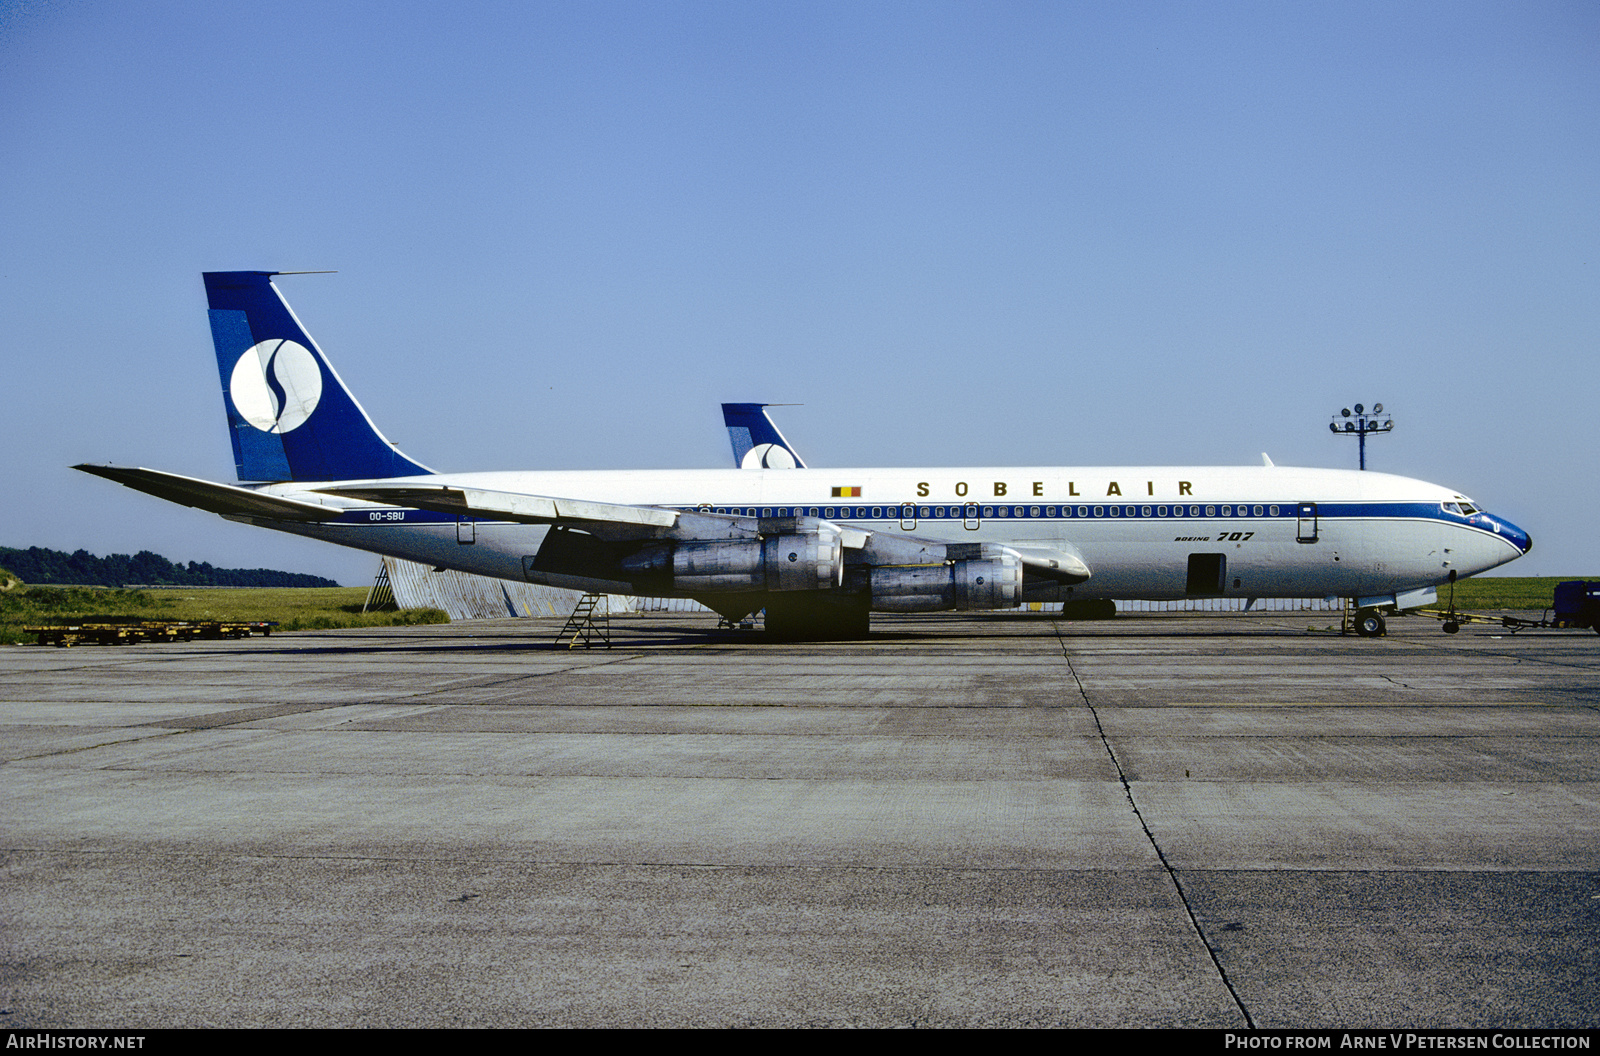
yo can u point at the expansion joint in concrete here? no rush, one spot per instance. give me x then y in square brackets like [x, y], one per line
[1133, 804]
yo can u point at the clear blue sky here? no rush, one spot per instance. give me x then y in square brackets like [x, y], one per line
[957, 233]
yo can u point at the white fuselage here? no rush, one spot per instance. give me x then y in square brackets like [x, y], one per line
[1283, 532]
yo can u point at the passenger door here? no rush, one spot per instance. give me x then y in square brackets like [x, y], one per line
[1307, 531]
[1208, 575]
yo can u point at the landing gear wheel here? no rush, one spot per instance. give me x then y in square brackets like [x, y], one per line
[1451, 627]
[1369, 624]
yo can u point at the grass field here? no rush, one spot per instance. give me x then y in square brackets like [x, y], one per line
[292, 608]
[1508, 592]
[321, 608]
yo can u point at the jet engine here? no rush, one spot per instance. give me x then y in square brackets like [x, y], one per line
[991, 582]
[803, 561]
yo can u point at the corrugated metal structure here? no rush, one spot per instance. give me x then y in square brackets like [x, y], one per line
[1235, 605]
[1212, 605]
[667, 605]
[468, 597]
[463, 596]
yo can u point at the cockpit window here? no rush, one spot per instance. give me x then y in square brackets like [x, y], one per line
[1450, 507]
[1467, 506]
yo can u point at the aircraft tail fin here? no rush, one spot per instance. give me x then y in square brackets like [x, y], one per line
[757, 444]
[290, 415]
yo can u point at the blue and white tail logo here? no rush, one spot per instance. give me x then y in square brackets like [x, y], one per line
[276, 385]
[757, 444]
[767, 456]
[291, 416]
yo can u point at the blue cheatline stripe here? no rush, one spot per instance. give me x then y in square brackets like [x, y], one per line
[990, 511]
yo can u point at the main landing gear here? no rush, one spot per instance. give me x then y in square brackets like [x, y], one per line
[1369, 623]
[802, 617]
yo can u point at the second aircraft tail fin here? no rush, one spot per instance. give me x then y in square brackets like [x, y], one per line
[757, 444]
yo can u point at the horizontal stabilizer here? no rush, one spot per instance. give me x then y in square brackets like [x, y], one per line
[226, 499]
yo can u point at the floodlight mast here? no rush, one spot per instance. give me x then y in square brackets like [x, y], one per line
[1364, 422]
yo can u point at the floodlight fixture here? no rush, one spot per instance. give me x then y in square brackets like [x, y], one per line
[1362, 424]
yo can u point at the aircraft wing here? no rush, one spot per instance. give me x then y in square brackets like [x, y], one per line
[227, 499]
[606, 520]
[611, 521]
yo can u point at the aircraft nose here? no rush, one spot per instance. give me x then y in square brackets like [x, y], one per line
[1508, 531]
[1523, 540]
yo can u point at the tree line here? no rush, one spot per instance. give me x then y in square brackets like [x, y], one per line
[39, 566]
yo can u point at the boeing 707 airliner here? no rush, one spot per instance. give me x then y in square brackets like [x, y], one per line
[818, 549]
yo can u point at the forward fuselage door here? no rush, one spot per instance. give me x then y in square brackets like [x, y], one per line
[1307, 532]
